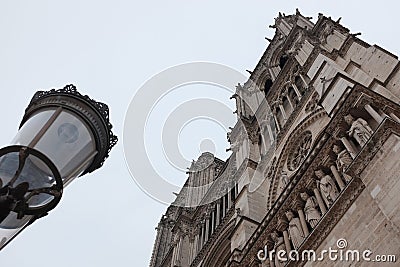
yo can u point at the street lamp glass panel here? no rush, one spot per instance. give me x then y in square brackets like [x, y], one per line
[63, 137]
[32, 127]
[69, 143]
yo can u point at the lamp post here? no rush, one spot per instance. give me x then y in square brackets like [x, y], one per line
[63, 135]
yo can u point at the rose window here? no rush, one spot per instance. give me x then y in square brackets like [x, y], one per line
[300, 151]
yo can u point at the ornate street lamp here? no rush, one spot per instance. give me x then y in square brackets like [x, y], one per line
[63, 135]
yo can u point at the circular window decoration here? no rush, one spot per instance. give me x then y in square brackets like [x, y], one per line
[300, 150]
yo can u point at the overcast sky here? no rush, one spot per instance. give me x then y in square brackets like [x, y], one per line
[108, 49]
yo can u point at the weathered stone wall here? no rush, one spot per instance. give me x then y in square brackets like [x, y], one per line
[373, 220]
[310, 92]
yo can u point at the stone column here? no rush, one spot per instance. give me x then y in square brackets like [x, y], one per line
[278, 126]
[282, 109]
[200, 239]
[266, 125]
[373, 113]
[178, 255]
[290, 102]
[175, 254]
[321, 203]
[223, 207]
[218, 214]
[296, 90]
[191, 249]
[270, 132]
[196, 245]
[275, 71]
[282, 226]
[173, 257]
[303, 79]
[204, 237]
[212, 222]
[302, 218]
[337, 177]
[168, 238]
[348, 146]
[271, 72]
[207, 229]
[394, 117]
[229, 199]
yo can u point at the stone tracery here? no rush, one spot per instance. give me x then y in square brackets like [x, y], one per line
[299, 153]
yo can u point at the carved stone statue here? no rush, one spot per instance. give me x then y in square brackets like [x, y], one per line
[228, 136]
[279, 244]
[296, 233]
[343, 161]
[313, 215]
[359, 129]
[234, 147]
[263, 125]
[327, 187]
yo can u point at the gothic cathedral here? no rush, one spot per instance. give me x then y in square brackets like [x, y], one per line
[314, 159]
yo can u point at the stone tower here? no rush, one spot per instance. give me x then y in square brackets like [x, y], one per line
[314, 163]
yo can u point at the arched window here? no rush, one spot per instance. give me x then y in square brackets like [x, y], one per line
[282, 61]
[292, 95]
[279, 117]
[286, 105]
[210, 229]
[299, 84]
[267, 86]
[260, 143]
[266, 136]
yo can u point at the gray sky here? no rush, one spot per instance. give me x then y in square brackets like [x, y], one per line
[108, 49]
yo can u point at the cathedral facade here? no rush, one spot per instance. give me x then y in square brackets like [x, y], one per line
[314, 163]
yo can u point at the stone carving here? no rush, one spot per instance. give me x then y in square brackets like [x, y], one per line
[264, 124]
[323, 141]
[359, 129]
[313, 103]
[253, 134]
[234, 147]
[326, 31]
[327, 187]
[228, 136]
[296, 233]
[343, 161]
[279, 244]
[300, 151]
[313, 215]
